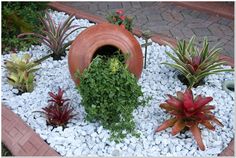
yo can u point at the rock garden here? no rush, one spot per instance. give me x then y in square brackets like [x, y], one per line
[84, 89]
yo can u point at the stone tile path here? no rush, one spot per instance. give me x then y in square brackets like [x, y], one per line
[170, 20]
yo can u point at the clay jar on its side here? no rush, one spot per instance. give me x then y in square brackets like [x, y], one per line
[105, 36]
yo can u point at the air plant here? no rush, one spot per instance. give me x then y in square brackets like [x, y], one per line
[54, 36]
[188, 112]
[58, 112]
[195, 64]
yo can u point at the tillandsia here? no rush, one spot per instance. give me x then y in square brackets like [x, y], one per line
[58, 112]
[188, 112]
[120, 19]
[195, 64]
[21, 71]
[55, 36]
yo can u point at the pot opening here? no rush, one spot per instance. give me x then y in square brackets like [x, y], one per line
[109, 51]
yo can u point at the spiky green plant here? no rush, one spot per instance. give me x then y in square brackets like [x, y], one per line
[195, 64]
[21, 72]
[54, 36]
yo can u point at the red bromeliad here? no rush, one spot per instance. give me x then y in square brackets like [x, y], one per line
[58, 112]
[194, 64]
[189, 112]
[57, 98]
[58, 115]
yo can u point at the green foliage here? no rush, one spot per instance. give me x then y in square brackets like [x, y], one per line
[120, 19]
[109, 95]
[21, 72]
[5, 151]
[54, 36]
[19, 17]
[195, 64]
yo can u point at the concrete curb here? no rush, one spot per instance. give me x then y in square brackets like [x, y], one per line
[215, 8]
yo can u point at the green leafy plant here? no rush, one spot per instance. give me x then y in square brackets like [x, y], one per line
[109, 95]
[188, 112]
[19, 17]
[120, 19]
[21, 72]
[54, 36]
[58, 112]
[195, 64]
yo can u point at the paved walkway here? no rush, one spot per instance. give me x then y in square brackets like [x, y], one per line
[170, 20]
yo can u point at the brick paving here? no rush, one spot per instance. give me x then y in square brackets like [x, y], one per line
[20, 139]
[171, 20]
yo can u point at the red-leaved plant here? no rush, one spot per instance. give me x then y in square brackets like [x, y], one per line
[188, 113]
[58, 112]
[120, 19]
[54, 36]
[57, 98]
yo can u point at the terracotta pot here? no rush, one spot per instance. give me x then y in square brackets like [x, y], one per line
[103, 36]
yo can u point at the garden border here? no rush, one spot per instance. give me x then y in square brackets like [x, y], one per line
[21, 139]
[214, 8]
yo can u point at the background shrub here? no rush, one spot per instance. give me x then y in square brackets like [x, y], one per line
[19, 17]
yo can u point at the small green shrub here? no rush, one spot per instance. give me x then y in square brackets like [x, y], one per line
[19, 17]
[109, 95]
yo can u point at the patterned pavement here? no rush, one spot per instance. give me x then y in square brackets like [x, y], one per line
[168, 19]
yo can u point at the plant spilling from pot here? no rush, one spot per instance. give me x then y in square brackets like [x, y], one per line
[187, 113]
[118, 18]
[110, 93]
[21, 72]
[54, 36]
[58, 112]
[195, 64]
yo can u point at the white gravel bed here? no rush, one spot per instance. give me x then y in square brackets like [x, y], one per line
[84, 138]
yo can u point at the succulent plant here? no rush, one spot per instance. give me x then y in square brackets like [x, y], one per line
[21, 72]
[58, 112]
[196, 64]
[54, 36]
[188, 112]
